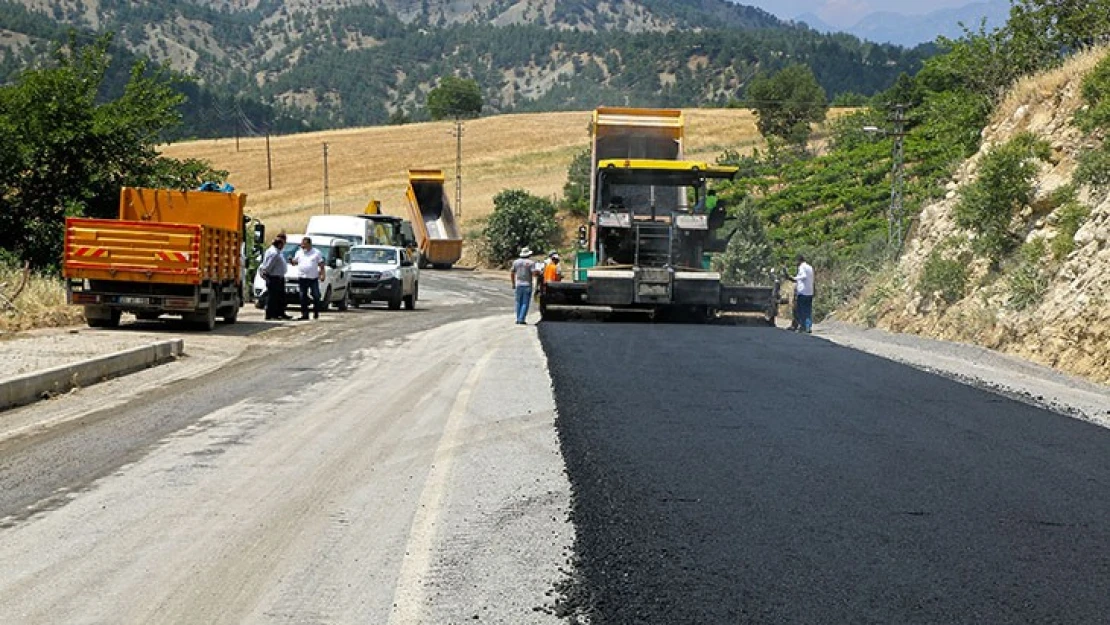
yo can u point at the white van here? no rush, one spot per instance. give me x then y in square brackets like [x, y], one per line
[335, 288]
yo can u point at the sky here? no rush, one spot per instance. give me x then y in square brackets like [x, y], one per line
[844, 13]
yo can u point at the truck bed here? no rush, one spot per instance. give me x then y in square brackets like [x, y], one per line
[143, 251]
[433, 220]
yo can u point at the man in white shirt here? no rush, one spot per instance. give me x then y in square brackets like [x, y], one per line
[310, 263]
[803, 297]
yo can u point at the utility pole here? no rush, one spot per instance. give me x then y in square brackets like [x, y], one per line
[896, 211]
[269, 162]
[458, 166]
[327, 197]
[898, 179]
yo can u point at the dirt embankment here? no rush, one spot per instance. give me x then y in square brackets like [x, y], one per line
[1066, 322]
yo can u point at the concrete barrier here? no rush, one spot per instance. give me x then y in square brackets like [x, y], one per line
[31, 387]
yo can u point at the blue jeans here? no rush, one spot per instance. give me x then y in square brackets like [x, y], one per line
[523, 298]
[307, 286]
[804, 311]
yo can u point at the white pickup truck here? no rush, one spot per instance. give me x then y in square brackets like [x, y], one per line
[384, 274]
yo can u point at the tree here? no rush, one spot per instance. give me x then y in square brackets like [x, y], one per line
[749, 255]
[67, 153]
[455, 98]
[1060, 25]
[576, 191]
[787, 103]
[519, 219]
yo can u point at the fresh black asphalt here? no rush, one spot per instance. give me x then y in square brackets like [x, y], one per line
[750, 475]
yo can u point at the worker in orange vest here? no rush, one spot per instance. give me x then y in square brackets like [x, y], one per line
[551, 271]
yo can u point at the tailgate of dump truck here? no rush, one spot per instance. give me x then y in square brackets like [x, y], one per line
[138, 251]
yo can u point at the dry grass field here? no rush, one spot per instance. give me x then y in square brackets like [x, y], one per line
[526, 151]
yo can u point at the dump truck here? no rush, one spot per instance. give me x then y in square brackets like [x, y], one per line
[168, 253]
[437, 235]
[649, 231]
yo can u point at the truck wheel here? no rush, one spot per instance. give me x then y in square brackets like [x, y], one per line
[345, 302]
[206, 320]
[111, 320]
[260, 303]
[231, 313]
[395, 301]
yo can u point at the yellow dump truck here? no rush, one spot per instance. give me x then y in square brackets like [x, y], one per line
[433, 223]
[169, 252]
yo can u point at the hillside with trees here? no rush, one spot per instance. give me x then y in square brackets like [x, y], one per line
[1006, 196]
[301, 66]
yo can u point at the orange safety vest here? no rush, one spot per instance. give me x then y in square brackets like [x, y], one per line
[551, 273]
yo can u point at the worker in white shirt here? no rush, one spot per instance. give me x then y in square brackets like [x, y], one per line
[803, 297]
[310, 263]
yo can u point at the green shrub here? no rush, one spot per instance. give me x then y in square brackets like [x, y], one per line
[1005, 184]
[749, 256]
[519, 219]
[944, 276]
[1069, 218]
[1096, 95]
[1094, 167]
[576, 190]
[1028, 280]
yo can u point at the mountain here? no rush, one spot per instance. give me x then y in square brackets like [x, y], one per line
[912, 30]
[304, 64]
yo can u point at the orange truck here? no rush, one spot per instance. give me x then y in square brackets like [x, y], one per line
[437, 234]
[169, 253]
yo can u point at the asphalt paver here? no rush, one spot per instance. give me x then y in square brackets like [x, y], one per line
[751, 475]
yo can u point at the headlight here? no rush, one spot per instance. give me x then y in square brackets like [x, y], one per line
[389, 274]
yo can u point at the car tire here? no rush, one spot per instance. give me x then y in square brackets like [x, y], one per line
[345, 302]
[395, 301]
[111, 321]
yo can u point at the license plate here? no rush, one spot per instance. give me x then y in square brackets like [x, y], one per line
[137, 301]
[361, 291]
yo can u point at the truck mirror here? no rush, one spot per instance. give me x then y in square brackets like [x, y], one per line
[259, 233]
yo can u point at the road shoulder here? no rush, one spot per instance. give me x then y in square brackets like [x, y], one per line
[978, 366]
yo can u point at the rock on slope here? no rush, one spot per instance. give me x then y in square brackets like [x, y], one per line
[1068, 327]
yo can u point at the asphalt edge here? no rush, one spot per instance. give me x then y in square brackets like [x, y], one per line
[31, 387]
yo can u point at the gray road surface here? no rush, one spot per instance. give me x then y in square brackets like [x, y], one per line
[750, 475]
[374, 467]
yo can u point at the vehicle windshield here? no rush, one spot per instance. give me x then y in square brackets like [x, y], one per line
[376, 255]
[290, 250]
[353, 238]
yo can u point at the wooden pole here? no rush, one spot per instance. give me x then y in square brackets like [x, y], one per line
[269, 164]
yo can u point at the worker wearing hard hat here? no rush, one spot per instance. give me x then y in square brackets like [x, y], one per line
[551, 271]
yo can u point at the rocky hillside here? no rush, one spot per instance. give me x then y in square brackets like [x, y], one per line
[340, 63]
[1049, 301]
